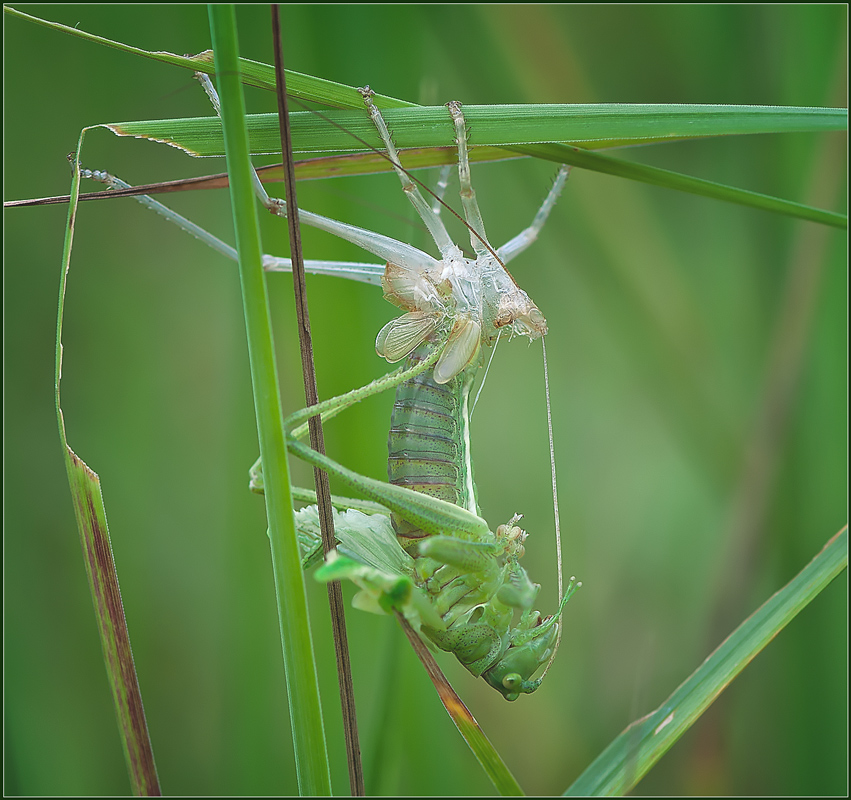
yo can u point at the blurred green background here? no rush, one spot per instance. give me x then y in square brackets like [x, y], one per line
[697, 366]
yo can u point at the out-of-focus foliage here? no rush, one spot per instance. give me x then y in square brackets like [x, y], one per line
[697, 355]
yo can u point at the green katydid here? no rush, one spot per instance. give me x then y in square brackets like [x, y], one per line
[433, 558]
[462, 584]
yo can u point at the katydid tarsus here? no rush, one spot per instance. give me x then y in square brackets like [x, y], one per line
[433, 557]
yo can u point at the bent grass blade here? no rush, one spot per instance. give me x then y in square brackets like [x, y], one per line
[485, 753]
[100, 566]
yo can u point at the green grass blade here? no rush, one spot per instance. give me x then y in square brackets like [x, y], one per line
[202, 137]
[100, 567]
[631, 755]
[602, 162]
[594, 125]
[495, 127]
[254, 73]
[596, 122]
[299, 664]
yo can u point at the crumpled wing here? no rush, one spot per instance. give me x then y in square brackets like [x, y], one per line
[410, 289]
[460, 351]
[367, 538]
[371, 540]
[371, 557]
[399, 337]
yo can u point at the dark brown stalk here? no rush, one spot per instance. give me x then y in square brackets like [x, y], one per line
[270, 174]
[323, 491]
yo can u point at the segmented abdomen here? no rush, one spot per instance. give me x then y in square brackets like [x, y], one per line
[429, 442]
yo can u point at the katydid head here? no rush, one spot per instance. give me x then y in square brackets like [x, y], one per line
[511, 307]
[511, 675]
[530, 322]
[535, 642]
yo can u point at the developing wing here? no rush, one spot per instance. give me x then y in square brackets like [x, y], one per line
[460, 351]
[402, 335]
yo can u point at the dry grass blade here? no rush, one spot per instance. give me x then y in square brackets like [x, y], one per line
[475, 737]
[101, 571]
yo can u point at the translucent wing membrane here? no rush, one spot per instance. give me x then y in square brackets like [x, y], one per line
[460, 351]
[400, 336]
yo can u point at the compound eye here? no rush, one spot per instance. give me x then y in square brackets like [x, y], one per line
[537, 321]
[512, 681]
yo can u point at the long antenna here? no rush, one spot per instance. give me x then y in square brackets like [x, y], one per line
[553, 472]
[573, 584]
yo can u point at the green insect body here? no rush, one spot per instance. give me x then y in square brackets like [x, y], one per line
[468, 613]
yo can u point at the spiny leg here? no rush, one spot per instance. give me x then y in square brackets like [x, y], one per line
[468, 195]
[295, 424]
[519, 243]
[428, 215]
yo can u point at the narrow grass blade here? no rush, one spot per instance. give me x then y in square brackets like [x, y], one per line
[418, 158]
[254, 73]
[100, 567]
[598, 120]
[591, 126]
[485, 753]
[631, 755]
[602, 162]
[537, 131]
[299, 664]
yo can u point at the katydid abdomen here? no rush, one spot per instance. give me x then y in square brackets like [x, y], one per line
[429, 442]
